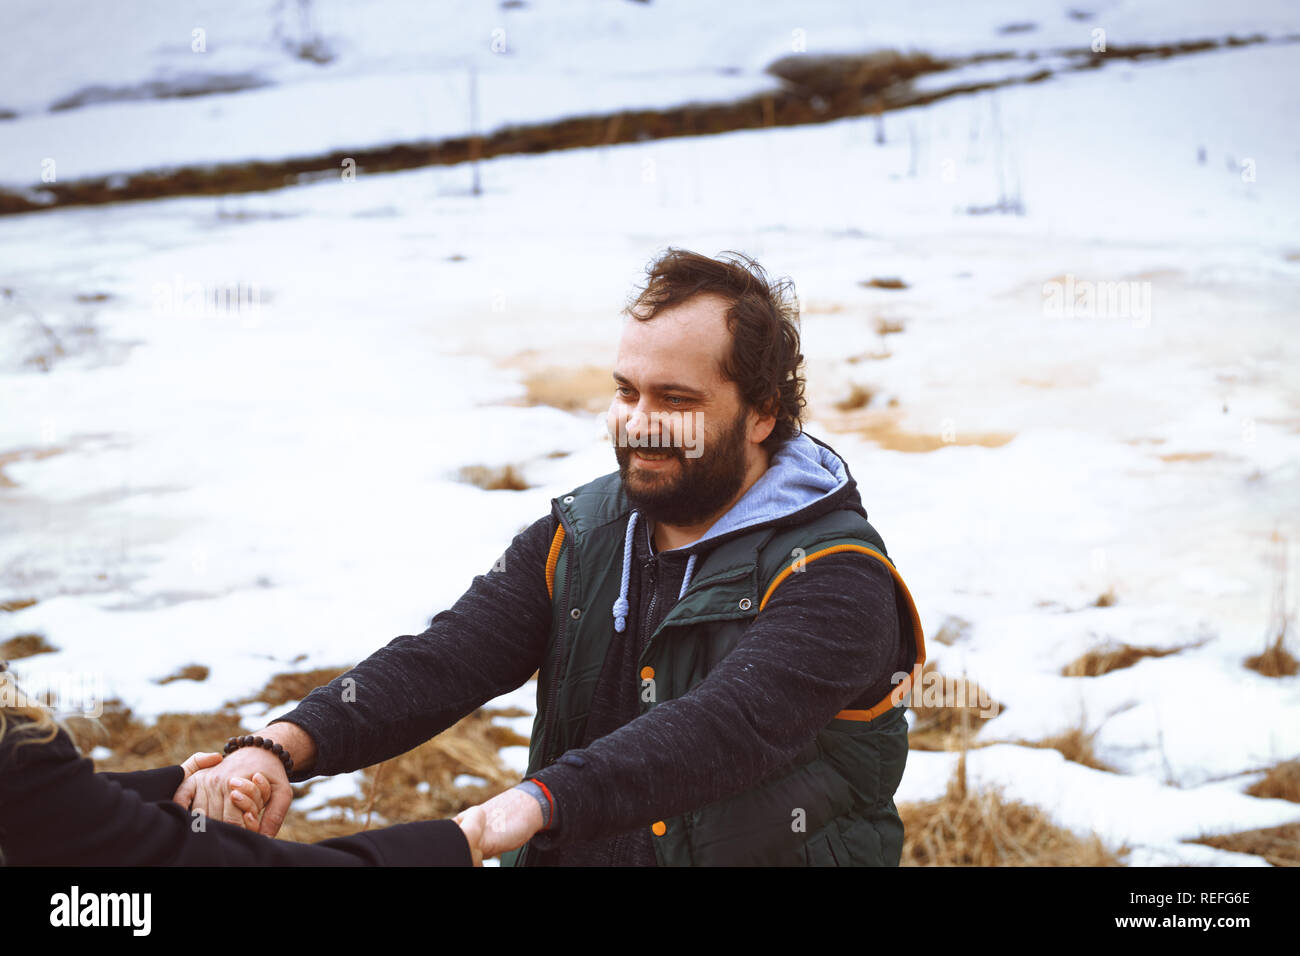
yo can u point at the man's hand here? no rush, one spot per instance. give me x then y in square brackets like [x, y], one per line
[210, 790]
[472, 822]
[509, 821]
[248, 796]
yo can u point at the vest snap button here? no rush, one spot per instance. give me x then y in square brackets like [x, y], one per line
[568, 499]
[745, 604]
[576, 613]
[659, 828]
[647, 673]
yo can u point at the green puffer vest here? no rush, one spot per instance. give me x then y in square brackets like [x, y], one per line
[833, 805]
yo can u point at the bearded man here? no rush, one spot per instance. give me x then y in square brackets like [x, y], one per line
[723, 642]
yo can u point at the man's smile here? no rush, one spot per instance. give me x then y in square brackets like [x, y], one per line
[653, 459]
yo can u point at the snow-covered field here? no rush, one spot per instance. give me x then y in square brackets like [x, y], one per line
[274, 487]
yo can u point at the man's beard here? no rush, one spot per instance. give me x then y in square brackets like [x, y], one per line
[694, 489]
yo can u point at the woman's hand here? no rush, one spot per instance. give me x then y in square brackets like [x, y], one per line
[472, 822]
[199, 761]
[248, 797]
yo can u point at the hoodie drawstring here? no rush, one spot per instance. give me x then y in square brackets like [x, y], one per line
[686, 581]
[621, 606]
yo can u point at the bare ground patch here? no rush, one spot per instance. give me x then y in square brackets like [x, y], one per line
[1192, 456]
[580, 388]
[885, 428]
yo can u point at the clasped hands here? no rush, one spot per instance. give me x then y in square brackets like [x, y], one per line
[250, 788]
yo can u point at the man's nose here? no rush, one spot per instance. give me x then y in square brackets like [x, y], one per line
[638, 421]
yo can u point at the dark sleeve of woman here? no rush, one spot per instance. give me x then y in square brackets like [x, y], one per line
[55, 810]
[153, 786]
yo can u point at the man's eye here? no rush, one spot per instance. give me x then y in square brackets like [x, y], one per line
[623, 390]
[674, 399]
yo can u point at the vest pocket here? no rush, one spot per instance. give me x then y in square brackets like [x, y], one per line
[826, 848]
[870, 755]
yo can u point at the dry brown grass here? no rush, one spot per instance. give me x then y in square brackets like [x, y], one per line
[1113, 657]
[345, 817]
[1276, 661]
[948, 711]
[25, 645]
[966, 828]
[17, 604]
[859, 397]
[1075, 744]
[951, 631]
[173, 737]
[392, 792]
[1282, 782]
[294, 685]
[1280, 846]
[885, 282]
[195, 672]
[168, 741]
[884, 353]
[504, 478]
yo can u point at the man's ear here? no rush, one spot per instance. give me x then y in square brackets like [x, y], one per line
[761, 422]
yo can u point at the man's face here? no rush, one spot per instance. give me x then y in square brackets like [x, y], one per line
[681, 434]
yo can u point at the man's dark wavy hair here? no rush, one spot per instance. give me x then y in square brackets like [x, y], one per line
[763, 320]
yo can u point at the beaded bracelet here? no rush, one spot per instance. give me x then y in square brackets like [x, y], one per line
[234, 743]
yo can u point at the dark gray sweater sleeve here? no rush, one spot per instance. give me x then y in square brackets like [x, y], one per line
[489, 642]
[825, 636]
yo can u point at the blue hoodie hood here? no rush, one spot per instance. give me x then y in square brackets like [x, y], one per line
[802, 473]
